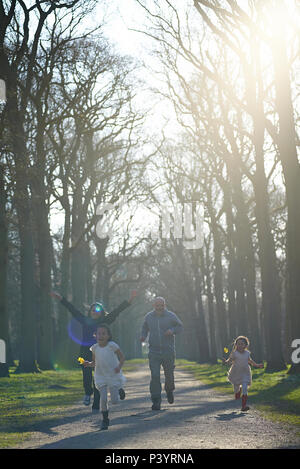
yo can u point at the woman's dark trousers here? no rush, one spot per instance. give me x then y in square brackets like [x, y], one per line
[88, 381]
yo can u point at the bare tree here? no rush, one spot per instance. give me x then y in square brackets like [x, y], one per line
[4, 370]
[22, 28]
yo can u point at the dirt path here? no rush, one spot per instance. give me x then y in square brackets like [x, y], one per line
[199, 418]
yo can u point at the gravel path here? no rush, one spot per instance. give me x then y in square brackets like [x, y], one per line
[199, 418]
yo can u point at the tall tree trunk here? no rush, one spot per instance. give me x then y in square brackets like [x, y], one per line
[78, 263]
[271, 296]
[232, 274]
[218, 276]
[22, 200]
[89, 278]
[62, 357]
[245, 256]
[286, 142]
[44, 250]
[200, 320]
[28, 292]
[4, 331]
[205, 265]
[102, 274]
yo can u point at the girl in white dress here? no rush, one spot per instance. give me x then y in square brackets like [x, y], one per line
[239, 374]
[108, 359]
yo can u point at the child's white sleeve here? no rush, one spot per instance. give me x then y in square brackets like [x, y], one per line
[92, 348]
[113, 346]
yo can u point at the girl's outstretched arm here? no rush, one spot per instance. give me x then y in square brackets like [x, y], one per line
[229, 360]
[90, 364]
[226, 362]
[256, 365]
[121, 358]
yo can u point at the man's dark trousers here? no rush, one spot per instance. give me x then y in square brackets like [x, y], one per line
[167, 361]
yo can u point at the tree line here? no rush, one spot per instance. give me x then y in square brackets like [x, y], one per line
[230, 74]
[74, 138]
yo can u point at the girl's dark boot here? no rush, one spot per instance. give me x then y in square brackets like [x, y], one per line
[244, 401]
[105, 421]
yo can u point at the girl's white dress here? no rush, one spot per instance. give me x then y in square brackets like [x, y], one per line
[106, 361]
[240, 371]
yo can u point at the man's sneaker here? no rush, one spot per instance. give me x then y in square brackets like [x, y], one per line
[104, 425]
[122, 394]
[170, 397]
[87, 400]
[156, 404]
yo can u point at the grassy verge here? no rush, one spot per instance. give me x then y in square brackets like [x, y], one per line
[276, 394]
[29, 400]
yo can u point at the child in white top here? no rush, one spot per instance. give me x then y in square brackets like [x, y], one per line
[108, 359]
[240, 372]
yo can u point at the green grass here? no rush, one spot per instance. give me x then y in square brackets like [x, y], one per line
[275, 394]
[30, 400]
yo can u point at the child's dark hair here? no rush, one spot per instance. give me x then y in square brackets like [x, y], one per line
[105, 326]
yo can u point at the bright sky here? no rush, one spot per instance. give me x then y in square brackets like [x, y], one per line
[120, 16]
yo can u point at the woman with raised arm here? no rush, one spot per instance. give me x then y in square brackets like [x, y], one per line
[96, 317]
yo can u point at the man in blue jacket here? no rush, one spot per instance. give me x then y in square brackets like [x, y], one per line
[162, 326]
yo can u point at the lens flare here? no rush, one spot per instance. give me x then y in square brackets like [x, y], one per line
[75, 333]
